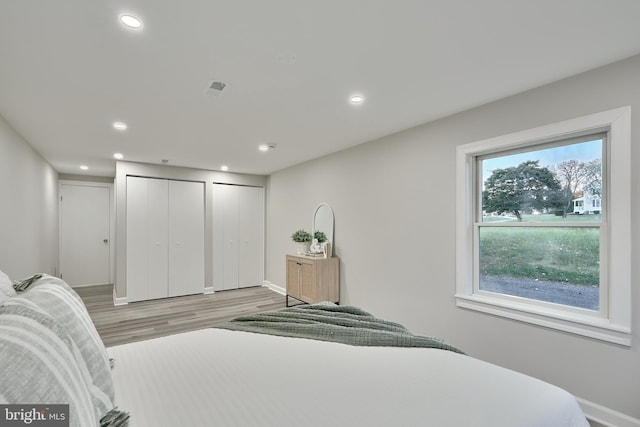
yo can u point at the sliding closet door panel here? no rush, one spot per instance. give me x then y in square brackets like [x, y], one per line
[147, 238]
[186, 238]
[158, 238]
[218, 216]
[238, 236]
[137, 237]
[225, 237]
[250, 236]
[231, 239]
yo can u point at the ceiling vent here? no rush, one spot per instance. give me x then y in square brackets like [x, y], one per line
[215, 88]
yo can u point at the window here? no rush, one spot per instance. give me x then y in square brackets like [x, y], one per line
[542, 226]
[532, 243]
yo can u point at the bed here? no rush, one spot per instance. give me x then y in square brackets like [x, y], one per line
[258, 371]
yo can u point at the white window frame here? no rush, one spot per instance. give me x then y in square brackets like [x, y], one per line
[613, 322]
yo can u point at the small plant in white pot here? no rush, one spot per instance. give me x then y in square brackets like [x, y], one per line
[320, 236]
[302, 239]
[318, 243]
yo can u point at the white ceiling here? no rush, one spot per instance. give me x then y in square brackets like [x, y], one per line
[69, 69]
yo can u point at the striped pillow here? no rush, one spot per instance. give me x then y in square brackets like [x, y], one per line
[39, 362]
[56, 298]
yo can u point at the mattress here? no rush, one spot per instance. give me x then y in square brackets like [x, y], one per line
[216, 377]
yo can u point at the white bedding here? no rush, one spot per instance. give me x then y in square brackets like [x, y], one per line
[216, 377]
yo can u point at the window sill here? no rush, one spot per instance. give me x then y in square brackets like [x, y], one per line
[575, 323]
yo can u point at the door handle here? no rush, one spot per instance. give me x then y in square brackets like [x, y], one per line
[106, 241]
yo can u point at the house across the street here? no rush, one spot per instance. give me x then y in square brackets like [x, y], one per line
[587, 204]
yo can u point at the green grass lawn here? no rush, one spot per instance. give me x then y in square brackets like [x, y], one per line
[569, 255]
[543, 218]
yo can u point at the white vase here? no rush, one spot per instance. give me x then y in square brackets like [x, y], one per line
[302, 247]
[326, 249]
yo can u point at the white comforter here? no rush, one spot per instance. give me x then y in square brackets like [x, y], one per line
[218, 377]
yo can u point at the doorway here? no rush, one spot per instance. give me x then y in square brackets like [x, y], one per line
[86, 232]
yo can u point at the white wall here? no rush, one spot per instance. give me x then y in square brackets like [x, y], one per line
[394, 202]
[29, 212]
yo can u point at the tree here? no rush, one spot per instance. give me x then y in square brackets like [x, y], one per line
[571, 174]
[593, 177]
[520, 189]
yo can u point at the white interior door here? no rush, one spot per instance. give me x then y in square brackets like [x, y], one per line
[186, 238]
[85, 243]
[137, 256]
[225, 237]
[238, 236]
[250, 236]
[158, 238]
[147, 238]
[218, 223]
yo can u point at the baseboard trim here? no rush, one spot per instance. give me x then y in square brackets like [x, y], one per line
[273, 287]
[606, 416]
[118, 301]
[88, 285]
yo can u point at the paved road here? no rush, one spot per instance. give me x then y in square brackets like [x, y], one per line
[583, 296]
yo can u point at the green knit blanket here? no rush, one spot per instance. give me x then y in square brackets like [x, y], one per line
[336, 323]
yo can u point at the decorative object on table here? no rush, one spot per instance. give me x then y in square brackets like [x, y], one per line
[319, 244]
[322, 229]
[320, 236]
[315, 248]
[326, 249]
[302, 238]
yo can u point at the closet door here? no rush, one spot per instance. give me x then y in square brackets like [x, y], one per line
[186, 238]
[250, 236]
[147, 238]
[238, 236]
[225, 237]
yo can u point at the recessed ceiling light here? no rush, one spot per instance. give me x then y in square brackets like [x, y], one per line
[118, 156]
[267, 147]
[356, 99]
[131, 21]
[84, 167]
[224, 168]
[120, 126]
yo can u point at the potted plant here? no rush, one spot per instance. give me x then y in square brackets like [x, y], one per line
[320, 236]
[323, 243]
[303, 240]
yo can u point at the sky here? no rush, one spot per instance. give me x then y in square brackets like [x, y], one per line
[582, 152]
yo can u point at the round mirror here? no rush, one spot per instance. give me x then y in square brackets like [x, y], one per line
[323, 222]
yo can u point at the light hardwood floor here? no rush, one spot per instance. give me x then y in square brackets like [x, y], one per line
[149, 319]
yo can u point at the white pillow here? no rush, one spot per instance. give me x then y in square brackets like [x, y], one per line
[36, 350]
[6, 287]
[57, 299]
